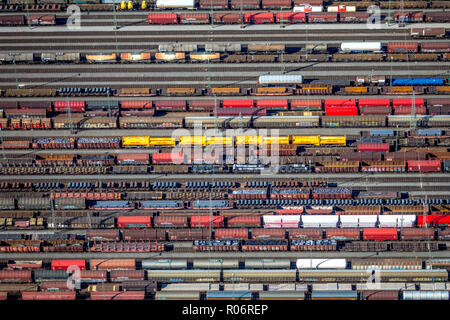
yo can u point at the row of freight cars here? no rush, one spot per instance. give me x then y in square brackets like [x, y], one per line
[213, 295]
[308, 5]
[291, 18]
[117, 271]
[227, 263]
[231, 121]
[179, 166]
[227, 107]
[418, 51]
[248, 18]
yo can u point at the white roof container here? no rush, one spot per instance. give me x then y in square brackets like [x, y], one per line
[175, 3]
[321, 263]
[308, 8]
[353, 221]
[397, 220]
[279, 79]
[282, 221]
[317, 221]
[282, 287]
[360, 46]
[341, 8]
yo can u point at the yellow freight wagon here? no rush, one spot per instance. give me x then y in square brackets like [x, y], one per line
[276, 140]
[333, 140]
[248, 140]
[226, 90]
[224, 141]
[161, 142]
[314, 140]
[135, 141]
[189, 140]
[204, 56]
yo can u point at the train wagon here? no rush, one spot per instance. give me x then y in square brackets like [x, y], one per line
[101, 58]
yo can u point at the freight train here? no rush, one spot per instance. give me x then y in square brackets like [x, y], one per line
[253, 53]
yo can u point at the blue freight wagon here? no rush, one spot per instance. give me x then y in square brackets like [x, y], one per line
[381, 133]
[418, 82]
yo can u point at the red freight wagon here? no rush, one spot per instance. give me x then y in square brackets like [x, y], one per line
[204, 221]
[376, 147]
[136, 104]
[42, 19]
[36, 105]
[407, 110]
[290, 17]
[93, 276]
[245, 4]
[65, 264]
[340, 103]
[170, 222]
[134, 222]
[244, 221]
[75, 106]
[341, 111]
[170, 105]
[381, 234]
[266, 234]
[3, 295]
[314, 17]
[407, 102]
[168, 158]
[375, 110]
[203, 105]
[15, 276]
[272, 104]
[424, 166]
[435, 46]
[374, 102]
[342, 233]
[124, 275]
[240, 233]
[132, 158]
[310, 2]
[227, 18]
[306, 104]
[54, 286]
[216, 4]
[402, 47]
[305, 233]
[194, 18]
[231, 112]
[276, 4]
[353, 16]
[117, 295]
[258, 17]
[48, 295]
[434, 220]
[112, 264]
[237, 103]
[162, 18]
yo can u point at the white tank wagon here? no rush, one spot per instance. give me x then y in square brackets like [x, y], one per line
[349, 47]
[280, 79]
[321, 263]
[425, 295]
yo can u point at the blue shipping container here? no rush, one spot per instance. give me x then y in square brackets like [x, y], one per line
[418, 82]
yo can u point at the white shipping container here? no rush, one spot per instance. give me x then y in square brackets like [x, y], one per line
[361, 46]
[308, 8]
[317, 221]
[352, 221]
[397, 220]
[166, 4]
[341, 8]
[280, 79]
[321, 263]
